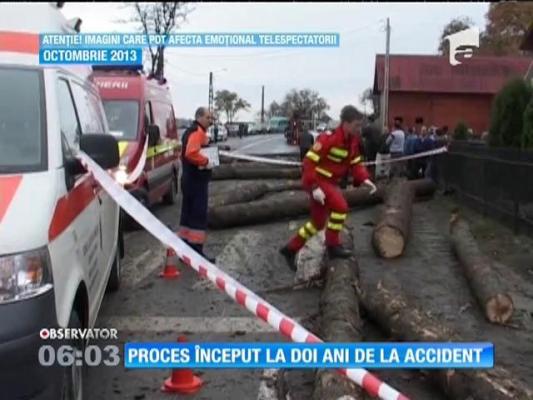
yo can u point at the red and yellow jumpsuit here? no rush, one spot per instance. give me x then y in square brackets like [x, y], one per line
[332, 156]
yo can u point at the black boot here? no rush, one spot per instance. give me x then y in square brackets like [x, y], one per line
[339, 252]
[290, 257]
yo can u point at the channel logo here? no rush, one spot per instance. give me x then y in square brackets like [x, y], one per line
[78, 333]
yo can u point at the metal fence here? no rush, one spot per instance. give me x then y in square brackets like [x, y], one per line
[497, 182]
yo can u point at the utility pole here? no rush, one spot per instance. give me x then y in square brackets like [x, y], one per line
[385, 107]
[210, 101]
[262, 105]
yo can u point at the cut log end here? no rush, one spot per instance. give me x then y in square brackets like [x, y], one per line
[499, 309]
[389, 241]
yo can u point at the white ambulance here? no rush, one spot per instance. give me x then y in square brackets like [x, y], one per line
[60, 236]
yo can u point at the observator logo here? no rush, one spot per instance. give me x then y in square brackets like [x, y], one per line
[468, 38]
[78, 333]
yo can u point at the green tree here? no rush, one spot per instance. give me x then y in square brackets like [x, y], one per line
[455, 25]
[461, 131]
[527, 134]
[507, 117]
[230, 103]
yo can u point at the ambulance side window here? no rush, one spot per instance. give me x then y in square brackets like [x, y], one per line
[91, 119]
[68, 119]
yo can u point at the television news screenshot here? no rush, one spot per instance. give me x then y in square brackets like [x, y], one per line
[266, 201]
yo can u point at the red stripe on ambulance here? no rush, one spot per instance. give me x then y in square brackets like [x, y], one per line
[8, 188]
[19, 42]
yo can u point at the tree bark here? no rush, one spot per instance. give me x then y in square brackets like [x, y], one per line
[254, 171]
[252, 192]
[395, 315]
[496, 303]
[339, 322]
[391, 232]
[293, 204]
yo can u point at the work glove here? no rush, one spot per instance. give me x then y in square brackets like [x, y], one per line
[370, 184]
[319, 195]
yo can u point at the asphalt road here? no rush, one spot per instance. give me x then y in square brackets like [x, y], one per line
[148, 308]
[261, 144]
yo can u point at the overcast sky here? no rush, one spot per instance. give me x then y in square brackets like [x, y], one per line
[340, 74]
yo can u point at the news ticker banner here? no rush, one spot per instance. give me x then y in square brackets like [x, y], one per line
[118, 49]
[309, 355]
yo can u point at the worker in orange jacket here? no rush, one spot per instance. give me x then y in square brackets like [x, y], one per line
[332, 156]
[195, 177]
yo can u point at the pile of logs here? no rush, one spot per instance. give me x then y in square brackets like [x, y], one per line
[342, 296]
[402, 320]
[296, 203]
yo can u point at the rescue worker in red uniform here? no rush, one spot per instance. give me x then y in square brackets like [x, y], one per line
[332, 156]
[196, 174]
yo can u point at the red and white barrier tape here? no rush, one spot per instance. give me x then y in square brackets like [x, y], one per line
[297, 163]
[226, 283]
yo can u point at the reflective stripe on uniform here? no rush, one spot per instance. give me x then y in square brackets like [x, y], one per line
[338, 216]
[155, 150]
[335, 159]
[310, 228]
[313, 156]
[197, 236]
[122, 147]
[303, 233]
[356, 160]
[192, 235]
[334, 227]
[324, 172]
[338, 152]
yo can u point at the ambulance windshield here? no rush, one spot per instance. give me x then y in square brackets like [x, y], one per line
[22, 144]
[122, 117]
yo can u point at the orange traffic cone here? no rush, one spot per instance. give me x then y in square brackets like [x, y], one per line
[182, 380]
[171, 270]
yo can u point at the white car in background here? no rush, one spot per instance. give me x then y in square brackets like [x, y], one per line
[222, 133]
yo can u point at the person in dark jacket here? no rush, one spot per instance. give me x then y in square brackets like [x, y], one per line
[372, 141]
[196, 174]
[306, 142]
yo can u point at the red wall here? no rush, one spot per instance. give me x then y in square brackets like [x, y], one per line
[442, 109]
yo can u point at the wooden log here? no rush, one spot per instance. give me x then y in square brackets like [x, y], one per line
[296, 203]
[391, 232]
[496, 303]
[402, 320]
[339, 322]
[250, 192]
[254, 171]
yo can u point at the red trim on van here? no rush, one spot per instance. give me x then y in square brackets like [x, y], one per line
[8, 188]
[19, 42]
[70, 206]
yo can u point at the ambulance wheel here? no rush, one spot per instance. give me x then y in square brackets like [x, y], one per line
[72, 385]
[171, 196]
[113, 283]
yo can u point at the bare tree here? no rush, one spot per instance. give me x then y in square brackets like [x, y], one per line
[367, 97]
[161, 18]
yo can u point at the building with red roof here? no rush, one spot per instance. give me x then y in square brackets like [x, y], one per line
[429, 87]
